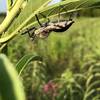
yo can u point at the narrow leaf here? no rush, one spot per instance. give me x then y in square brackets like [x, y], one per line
[50, 11]
[10, 86]
[22, 64]
[26, 14]
[65, 7]
[9, 4]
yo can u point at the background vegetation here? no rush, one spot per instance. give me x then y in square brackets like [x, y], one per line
[70, 69]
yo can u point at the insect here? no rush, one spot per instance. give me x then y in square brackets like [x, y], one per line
[62, 26]
[46, 28]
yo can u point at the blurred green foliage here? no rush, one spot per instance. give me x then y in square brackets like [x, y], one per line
[70, 60]
[60, 51]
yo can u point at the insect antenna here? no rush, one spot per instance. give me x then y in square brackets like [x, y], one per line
[27, 30]
[74, 13]
[59, 15]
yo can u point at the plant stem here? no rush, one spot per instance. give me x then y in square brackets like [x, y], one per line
[10, 17]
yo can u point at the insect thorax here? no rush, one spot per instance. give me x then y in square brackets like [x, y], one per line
[42, 32]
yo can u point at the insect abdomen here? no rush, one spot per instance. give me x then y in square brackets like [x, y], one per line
[63, 27]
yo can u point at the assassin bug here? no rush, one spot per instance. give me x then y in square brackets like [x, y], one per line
[46, 28]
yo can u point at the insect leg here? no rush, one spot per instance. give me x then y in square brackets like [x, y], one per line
[33, 37]
[27, 30]
[30, 34]
[59, 15]
[38, 20]
[63, 8]
[45, 17]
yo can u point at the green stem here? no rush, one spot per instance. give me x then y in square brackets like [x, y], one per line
[12, 14]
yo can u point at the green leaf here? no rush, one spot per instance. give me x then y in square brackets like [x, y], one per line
[22, 64]
[11, 16]
[72, 6]
[93, 85]
[67, 6]
[27, 18]
[26, 14]
[21, 20]
[10, 86]
[9, 4]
